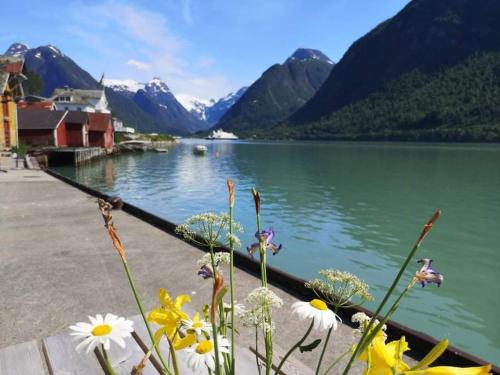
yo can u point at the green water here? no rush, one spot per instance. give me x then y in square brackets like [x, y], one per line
[353, 206]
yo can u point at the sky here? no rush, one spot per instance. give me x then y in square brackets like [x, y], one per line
[200, 48]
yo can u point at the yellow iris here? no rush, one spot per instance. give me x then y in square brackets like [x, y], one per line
[169, 316]
[387, 359]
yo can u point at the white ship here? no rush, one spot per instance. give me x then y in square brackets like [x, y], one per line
[221, 134]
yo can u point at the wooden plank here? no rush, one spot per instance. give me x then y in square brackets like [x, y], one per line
[63, 359]
[23, 359]
[291, 367]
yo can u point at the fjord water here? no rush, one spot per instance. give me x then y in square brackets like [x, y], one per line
[351, 206]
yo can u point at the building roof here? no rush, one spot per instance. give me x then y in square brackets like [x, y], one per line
[47, 105]
[99, 121]
[78, 96]
[76, 117]
[9, 65]
[39, 119]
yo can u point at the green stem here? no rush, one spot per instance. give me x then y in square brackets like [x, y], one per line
[335, 362]
[382, 304]
[269, 347]
[231, 289]
[173, 355]
[335, 310]
[324, 350]
[257, 349]
[141, 309]
[371, 335]
[215, 332]
[299, 343]
[107, 363]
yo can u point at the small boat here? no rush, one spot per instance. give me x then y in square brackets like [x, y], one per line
[161, 149]
[221, 134]
[200, 150]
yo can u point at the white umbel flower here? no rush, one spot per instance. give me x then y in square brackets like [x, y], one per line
[101, 331]
[202, 355]
[316, 309]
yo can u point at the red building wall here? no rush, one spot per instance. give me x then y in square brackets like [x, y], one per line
[74, 134]
[44, 137]
[100, 130]
[61, 135]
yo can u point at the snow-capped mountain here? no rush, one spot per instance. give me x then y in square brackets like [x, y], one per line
[210, 110]
[304, 54]
[157, 100]
[127, 87]
[195, 105]
[17, 49]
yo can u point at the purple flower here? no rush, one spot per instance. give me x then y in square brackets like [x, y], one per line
[427, 275]
[265, 237]
[206, 272]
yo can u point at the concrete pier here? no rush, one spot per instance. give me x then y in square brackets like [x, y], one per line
[73, 155]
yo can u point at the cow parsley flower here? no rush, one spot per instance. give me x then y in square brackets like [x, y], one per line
[339, 288]
[208, 229]
[363, 320]
[260, 303]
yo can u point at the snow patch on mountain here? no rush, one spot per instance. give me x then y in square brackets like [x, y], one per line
[156, 87]
[303, 54]
[56, 50]
[123, 85]
[195, 106]
[210, 110]
[17, 49]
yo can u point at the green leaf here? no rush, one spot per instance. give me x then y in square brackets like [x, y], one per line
[431, 356]
[220, 295]
[309, 347]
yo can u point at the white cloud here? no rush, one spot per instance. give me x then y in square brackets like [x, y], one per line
[141, 65]
[141, 44]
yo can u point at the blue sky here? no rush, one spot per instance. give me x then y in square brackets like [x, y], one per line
[202, 48]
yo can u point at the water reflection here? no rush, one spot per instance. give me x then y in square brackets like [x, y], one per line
[357, 207]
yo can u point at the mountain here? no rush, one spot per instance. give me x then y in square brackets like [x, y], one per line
[218, 108]
[210, 110]
[161, 113]
[157, 100]
[56, 69]
[17, 49]
[430, 72]
[125, 87]
[279, 92]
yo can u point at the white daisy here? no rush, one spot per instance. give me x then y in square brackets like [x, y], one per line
[196, 326]
[323, 317]
[202, 355]
[101, 331]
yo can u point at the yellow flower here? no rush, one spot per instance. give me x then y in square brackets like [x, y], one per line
[387, 359]
[169, 316]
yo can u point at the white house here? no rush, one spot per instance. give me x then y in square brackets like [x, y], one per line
[68, 99]
[119, 128]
